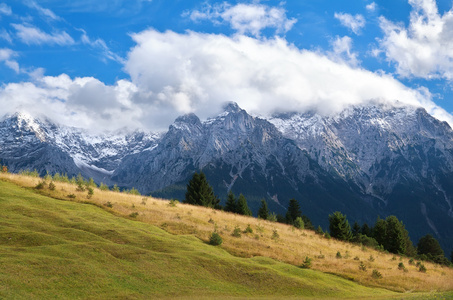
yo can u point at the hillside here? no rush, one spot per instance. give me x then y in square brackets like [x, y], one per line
[63, 249]
[367, 161]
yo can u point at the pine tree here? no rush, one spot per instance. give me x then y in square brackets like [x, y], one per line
[243, 208]
[231, 204]
[395, 236]
[356, 229]
[293, 211]
[339, 226]
[199, 192]
[263, 212]
[429, 246]
[366, 230]
[380, 231]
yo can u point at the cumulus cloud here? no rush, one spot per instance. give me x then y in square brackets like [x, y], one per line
[195, 72]
[173, 74]
[354, 23]
[342, 51]
[245, 18]
[80, 102]
[371, 7]
[425, 47]
[30, 35]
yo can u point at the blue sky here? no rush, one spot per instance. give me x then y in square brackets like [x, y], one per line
[111, 64]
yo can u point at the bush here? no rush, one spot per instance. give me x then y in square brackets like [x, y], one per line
[173, 203]
[339, 255]
[362, 266]
[103, 187]
[376, 274]
[90, 192]
[52, 186]
[307, 263]
[133, 191]
[272, 217]
[116, 188]
[371, 258]
[422, 268]
[411, 261]
[4, 169]
[108, 204]
[237, 232]
[248, 229]
[299, 223]
[401, 266]
[133, 215]
[80, 187]
[71, 196]
[215, 239]
[40, 185]
[275, 234]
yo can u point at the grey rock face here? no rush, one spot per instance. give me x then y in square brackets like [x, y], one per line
[366, 161]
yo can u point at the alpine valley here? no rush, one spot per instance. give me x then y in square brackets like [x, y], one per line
[367, 161]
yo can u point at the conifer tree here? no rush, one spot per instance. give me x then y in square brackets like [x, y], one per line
[231, 204]
[243, 208]
[395, 236]
[339, 226]
[293, 211]
[429, 246]
[263, 212]
[355, 229]
[199, 192]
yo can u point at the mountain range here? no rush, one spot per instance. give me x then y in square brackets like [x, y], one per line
[366, 161]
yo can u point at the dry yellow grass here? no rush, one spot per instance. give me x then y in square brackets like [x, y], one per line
[291, 246]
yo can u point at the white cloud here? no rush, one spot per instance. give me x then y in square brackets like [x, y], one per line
[354, 23]
[261, 76]
[5, 36]
[342, 51]
[371, 7]
[6, 56]
[5, 9]
[43, 11]
[424, 48]
[80, 102]
[246, 18]
[100, 44]
[172, 74]
[32, 35]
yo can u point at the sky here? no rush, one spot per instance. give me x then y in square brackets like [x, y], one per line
[139, 64]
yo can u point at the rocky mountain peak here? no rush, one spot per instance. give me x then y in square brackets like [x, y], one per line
[231, 107]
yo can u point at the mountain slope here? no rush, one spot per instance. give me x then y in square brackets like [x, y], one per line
[366, 161]
[61, 249]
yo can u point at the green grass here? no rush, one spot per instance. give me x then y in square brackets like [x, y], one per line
[59, 249]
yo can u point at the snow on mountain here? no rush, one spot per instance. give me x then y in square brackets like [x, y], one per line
[365, 161]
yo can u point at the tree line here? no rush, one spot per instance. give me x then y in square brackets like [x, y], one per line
[387, 234]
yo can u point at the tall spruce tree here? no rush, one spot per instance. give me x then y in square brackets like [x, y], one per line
[199, 192]
[339, 226]
[242, 207]
[263, 211]
[293, 211]
[395, 236]
[231, 204]
[355, 229]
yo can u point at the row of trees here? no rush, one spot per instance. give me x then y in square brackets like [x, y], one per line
[387, 234]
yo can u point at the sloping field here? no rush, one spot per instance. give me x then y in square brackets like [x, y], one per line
[63, 249]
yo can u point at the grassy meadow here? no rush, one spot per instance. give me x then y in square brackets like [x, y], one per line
[135, 247]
